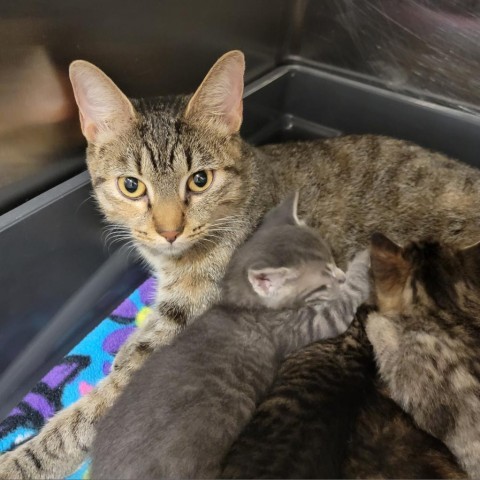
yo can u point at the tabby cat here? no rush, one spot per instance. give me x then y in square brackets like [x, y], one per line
[426, 338]
[179, 179]
[192, 398]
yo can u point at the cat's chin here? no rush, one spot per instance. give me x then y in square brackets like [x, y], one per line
[175, 249]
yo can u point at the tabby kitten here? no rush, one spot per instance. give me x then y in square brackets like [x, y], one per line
[192, 398]
[327, 417]
[179, 179]
[302, 428]
[386, 443]
[426, 338]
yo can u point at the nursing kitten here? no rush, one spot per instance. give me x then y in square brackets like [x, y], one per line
[181, 182]
[426, 338]
[302, 428]
[327, 417]
[386, 443]
[188, 403]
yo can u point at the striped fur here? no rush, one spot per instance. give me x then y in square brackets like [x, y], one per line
[327, 416]
[192, 398]
[426, 338]
[386, 443]
[351, 186]
[302, 428]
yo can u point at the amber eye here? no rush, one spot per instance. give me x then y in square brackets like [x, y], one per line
[200, 181]
[131, 187]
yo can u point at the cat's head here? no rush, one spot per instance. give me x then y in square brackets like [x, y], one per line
[171, 178]
[284, 264]
[424, 275]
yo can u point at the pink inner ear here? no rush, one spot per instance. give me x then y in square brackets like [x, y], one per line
[263, 283]
[233, 104]
[218, 100]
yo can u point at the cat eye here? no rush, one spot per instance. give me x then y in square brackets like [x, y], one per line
[131, 187]
[200, 181]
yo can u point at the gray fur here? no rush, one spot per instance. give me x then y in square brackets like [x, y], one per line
[351, 186]
[186, 406]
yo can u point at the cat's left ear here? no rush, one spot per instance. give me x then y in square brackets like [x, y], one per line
[267, 281]
[217, 103]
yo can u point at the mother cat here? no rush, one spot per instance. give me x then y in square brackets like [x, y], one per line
[188, 189]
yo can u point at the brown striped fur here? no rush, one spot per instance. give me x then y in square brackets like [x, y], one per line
[386, 443]
[351, 186]
[327, 416]
[426, 338]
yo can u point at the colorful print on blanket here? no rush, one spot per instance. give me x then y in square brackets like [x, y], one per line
[78, 373]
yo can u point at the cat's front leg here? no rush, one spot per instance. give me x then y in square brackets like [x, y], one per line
[65, 440]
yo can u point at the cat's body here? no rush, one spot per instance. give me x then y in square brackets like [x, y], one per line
[191, 399]
[302, 428]
[327, 417]
[426, 338]
[386, 443]
[352, 186]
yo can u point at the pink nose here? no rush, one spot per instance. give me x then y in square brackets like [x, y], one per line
[170, 236]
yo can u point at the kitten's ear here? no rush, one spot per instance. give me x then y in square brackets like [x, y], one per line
[104, 110]
[284, 214]
[388, 265]
[217, 103]
[267, 281]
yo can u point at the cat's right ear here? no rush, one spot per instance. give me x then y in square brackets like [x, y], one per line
[388, 265]
[218, 103]
[104, 110]
[267, 281]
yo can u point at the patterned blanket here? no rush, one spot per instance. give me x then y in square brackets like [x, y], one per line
[78, 373]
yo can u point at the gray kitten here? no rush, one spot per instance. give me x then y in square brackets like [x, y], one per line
[182, 411]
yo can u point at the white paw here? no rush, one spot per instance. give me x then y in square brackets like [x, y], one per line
[383, 335]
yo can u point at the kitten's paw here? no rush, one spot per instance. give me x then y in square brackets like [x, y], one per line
[358, 278]
[384, 337]
[358, 269]
[361, 260]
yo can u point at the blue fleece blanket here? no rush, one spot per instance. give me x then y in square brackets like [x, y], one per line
[78, 373]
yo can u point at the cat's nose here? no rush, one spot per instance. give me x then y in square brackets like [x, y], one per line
[171, 235]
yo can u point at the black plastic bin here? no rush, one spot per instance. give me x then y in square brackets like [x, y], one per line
[59, 279]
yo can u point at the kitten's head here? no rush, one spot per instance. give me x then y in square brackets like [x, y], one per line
[424, 275]
[171, 178]
[284, 264]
